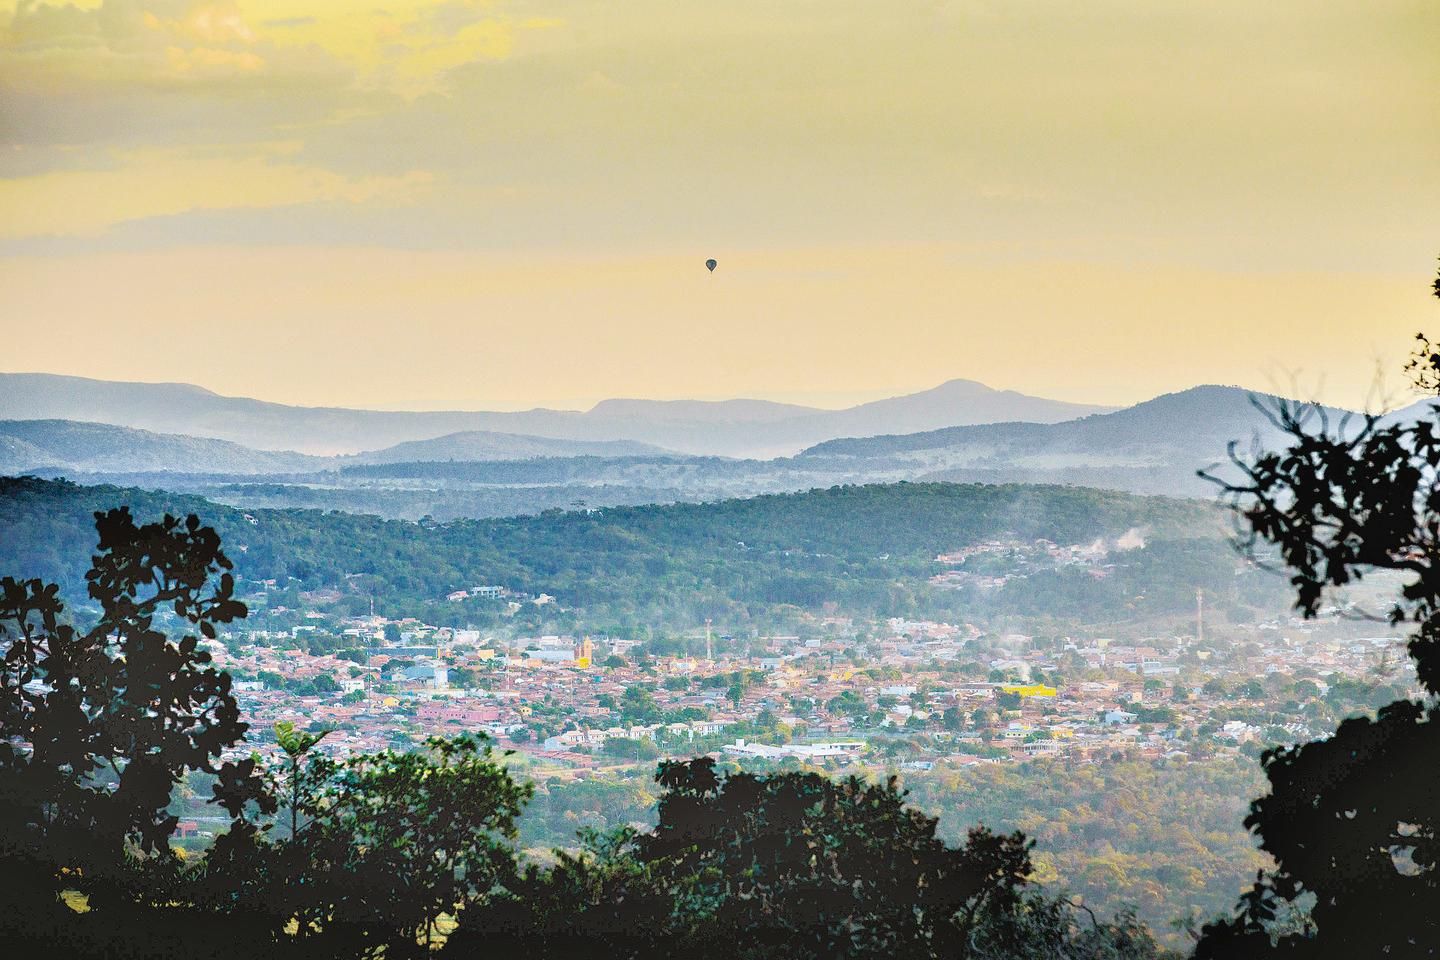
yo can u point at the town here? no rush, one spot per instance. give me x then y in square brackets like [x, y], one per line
[895, 693]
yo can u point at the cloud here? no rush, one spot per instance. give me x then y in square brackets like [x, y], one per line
[70, 48]
[212, 61]
[280, 23]
[78, 84]
[1157, 192]
[157, 183]
[1228, 131]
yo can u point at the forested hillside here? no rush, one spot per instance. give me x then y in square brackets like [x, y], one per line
[865, 550]
[31, 445]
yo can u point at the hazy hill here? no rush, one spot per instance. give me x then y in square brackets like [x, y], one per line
[730, 428]
[194, 411]
[482, 445]
[1155, 446]
[954, 403]
[30, 445]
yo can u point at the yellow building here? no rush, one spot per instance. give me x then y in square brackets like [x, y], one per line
[1030, 689]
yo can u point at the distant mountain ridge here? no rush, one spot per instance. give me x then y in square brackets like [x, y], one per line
[68, 446]
[1153, 447]
[29, 446]
[1206, 413]
[698, 411]
[752, 428]
[486, 445]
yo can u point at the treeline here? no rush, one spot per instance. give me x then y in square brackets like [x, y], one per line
[443, 503]
[558, 470]
[867, 550]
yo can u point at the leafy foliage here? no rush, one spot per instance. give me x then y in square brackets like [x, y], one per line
[1351, 820]
[101, 723]
[379, 847]
[1165, 840]
[791, 865]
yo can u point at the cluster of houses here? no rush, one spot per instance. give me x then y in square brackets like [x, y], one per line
[993, 563]
[924, 693]
[513, 599]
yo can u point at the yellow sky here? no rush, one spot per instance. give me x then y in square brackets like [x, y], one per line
[482, 203]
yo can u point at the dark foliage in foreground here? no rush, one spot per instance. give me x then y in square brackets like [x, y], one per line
[794, 865]
[1351, 820]
[99, 724]
[791, 865]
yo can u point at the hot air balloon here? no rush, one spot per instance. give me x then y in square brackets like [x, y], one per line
[711, 265]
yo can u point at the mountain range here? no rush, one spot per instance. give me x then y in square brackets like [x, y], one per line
[31, 446]
[1152, 447]
[58, 446]
[744, 428]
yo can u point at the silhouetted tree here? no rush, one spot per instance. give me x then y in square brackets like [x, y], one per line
[1351, 820]
[375, 850]
[790, 865]
[801, 865]
[602, 901]
[99, 724]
